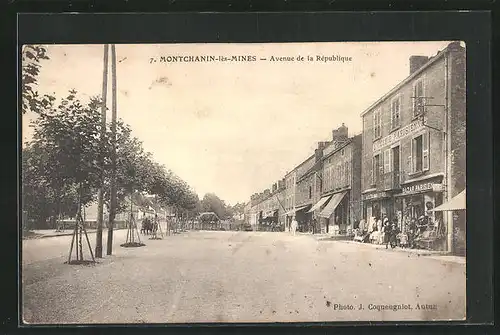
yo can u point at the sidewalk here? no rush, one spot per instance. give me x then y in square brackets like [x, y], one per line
[438, 255]
[44, 233]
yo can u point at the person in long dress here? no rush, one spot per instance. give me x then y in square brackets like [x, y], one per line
[294, 226]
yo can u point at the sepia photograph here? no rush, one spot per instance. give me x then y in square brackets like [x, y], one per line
[243, 182]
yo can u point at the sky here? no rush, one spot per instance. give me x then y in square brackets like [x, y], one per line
[234, 128]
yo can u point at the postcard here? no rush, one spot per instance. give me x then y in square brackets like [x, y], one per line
[243, 182]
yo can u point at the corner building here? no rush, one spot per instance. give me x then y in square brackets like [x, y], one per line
[413, 147]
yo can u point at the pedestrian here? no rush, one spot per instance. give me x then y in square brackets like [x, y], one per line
[394, 235]
[387, 233]
[294, 226]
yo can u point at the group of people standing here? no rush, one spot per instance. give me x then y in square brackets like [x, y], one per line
[381, 231]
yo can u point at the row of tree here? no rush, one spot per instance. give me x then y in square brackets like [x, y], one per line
[70, 157]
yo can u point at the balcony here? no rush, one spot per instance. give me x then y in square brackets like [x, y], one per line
[388, 181]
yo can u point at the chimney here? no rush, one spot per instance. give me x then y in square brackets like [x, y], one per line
[318, 152]
[416, 62]
[340, 134]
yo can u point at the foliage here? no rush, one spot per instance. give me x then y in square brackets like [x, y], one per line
[237, 209]
[32, 55]
[44, 198]
[70, 157]
[61, 163]
[212, 203]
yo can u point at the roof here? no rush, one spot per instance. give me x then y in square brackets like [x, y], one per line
[299, 165]
[309, 172]
[209, 214]
[431, 61]
[340, 147]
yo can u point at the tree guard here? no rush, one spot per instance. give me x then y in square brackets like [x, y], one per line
[132, 231]
[78, 233]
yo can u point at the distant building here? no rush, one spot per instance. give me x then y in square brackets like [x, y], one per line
[339, 207]
[309, 187]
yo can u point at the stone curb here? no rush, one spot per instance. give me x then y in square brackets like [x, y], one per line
[63, 234]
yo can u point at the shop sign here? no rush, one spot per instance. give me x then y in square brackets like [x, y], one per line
[378, 195]
[437, 187]
[419, 188]
[399, 134]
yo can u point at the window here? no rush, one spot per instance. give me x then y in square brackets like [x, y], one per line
[395, 112]
[342, 152]
[377, 124]
[419, 160]
[347, 176]
[387, 161]
[310, 192]
[376, 169]
[418, 98]
[330, 184]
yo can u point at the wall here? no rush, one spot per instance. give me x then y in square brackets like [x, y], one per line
[356, 204]
[458, 115]
[290, 181]
[458, 120]
[337, 169]
[303, 185]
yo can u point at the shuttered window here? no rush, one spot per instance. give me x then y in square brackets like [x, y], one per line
[420, 158]
[387, 161]
[425, 151]
[418, 98]
[395, 112]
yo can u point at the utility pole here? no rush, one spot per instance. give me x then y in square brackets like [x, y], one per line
[100, 195]
[112, 209]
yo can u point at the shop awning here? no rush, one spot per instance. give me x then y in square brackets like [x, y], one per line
[320, 203]
[330, 208]
[296, 209]
[457, 203]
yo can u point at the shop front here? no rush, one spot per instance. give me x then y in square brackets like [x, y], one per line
[377, 205]
[418, 201]
[457, 205]
[299, 213]
[334, 218]
[315, 210]
[304, 218]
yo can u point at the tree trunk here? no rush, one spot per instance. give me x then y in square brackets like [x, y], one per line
[100, 195]
[113, 202]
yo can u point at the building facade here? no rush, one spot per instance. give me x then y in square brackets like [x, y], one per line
[266, 209]
[290, 191]
[338, 209]
[413, 146]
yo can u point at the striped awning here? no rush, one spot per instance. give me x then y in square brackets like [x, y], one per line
[320, 203]
[332, 205]
[296, 209]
